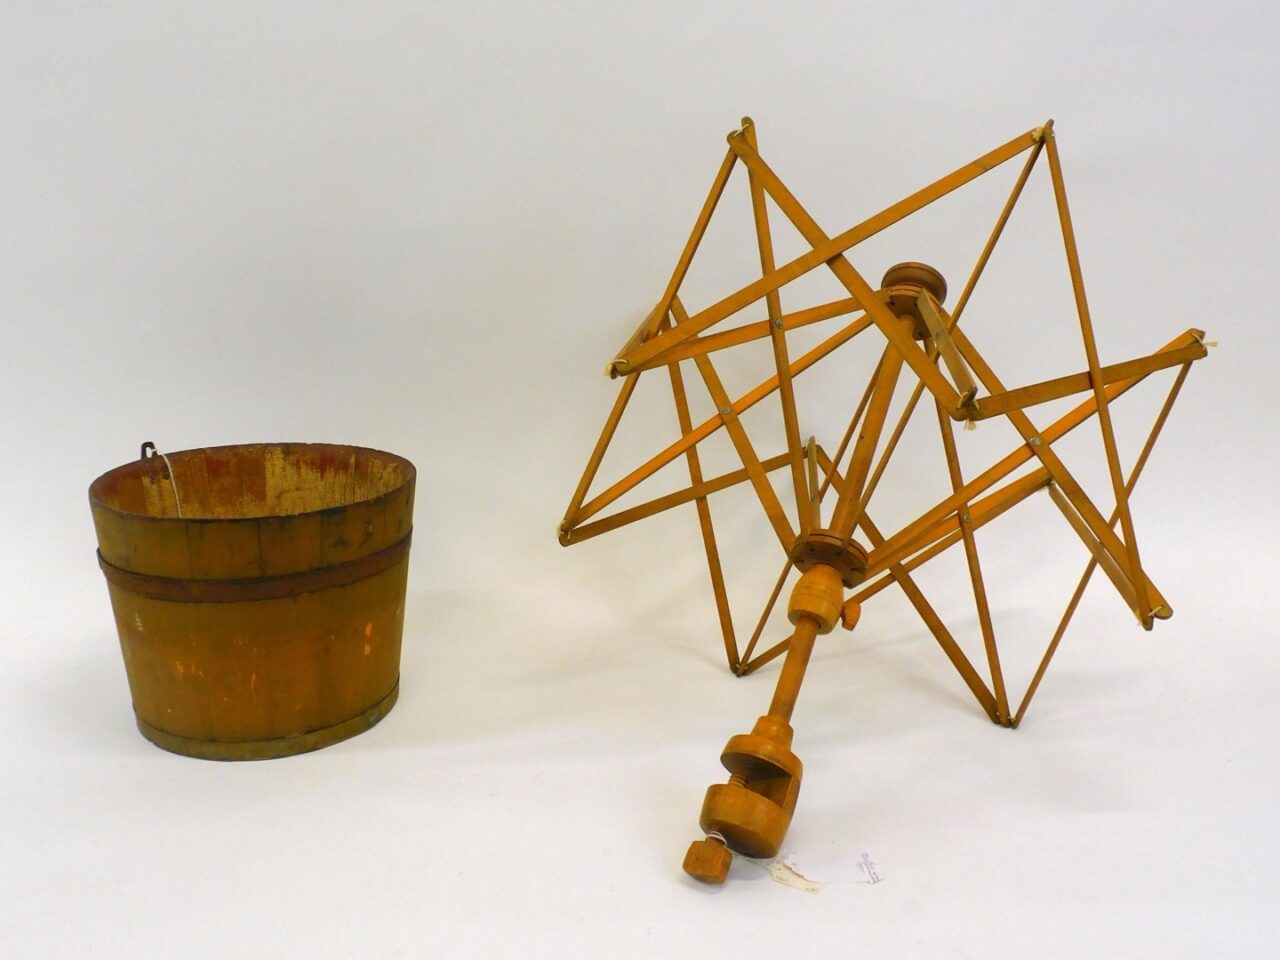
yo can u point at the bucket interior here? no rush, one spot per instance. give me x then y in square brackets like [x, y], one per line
[252, 480]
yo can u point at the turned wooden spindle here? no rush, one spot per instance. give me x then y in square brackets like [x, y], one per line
[750, 813]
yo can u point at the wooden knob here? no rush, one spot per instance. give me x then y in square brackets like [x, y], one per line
[850, 614]
[708, 860]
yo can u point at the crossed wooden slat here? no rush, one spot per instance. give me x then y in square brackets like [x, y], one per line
[669, 335]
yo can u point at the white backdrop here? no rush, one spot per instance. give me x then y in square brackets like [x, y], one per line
[425, 227]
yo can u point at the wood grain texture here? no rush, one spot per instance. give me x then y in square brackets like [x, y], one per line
[266, 620]
[922, 344]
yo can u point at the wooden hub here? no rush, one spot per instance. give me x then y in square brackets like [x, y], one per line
[916, 275]
[823, 546]
[903, 282]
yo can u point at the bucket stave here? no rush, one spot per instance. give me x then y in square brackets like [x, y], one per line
[258, 592]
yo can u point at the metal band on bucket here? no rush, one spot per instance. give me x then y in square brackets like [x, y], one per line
[244, 589]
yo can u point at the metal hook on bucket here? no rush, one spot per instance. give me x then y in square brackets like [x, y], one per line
[148, 452]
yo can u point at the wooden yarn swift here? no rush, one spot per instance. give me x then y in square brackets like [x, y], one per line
[922, 338]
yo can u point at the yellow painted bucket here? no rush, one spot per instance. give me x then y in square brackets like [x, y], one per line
[258, 592]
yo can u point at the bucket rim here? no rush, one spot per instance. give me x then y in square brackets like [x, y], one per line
[97, 503]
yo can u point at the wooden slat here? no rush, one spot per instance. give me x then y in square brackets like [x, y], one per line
[1041, 447]
[821, 254]
[700, 321]
[712, 424]
[947, 350]
[894, 330]
[749, 332]
[828, 478]
[691, 245]
[941, 635]
[1130, 545]
[1074, 602]
[811, 483]
[704, 522]
[850, 503]
[1029, 396]
[778, 339]
[891, 445]
[1118, 576]
[900, 544]
[975, 568]
[741, 442]
[850, 430]
[764, 619]
[661, 504]
[976, 274]
[776, 650]
[597, 453]
[947, 533]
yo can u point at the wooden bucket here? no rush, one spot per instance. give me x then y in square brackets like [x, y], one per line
[258, 592]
